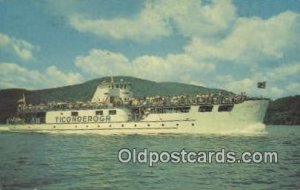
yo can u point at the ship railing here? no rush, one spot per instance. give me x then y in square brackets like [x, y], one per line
[180, 104]
[148, 101]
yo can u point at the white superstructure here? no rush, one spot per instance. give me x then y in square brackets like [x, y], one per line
[107, 91]
[113, 110]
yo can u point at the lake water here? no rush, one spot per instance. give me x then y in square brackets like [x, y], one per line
[61, 161]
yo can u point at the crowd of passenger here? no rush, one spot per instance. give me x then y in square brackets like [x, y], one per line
[181, 100]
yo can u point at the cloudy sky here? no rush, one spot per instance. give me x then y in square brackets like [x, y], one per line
[220, 43]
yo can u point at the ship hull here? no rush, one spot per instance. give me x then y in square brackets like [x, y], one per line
[245, 118]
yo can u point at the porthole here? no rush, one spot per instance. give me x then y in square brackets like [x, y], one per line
[122, 125]
[162, 124]
[148, 125]
[54, 126]
[193, 124]
[177, 124]
[135, 125]
[86, 126]
[98, 126]
[109, 125]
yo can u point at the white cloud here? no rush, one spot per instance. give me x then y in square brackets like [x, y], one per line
[294, 87]
[249, 85]
[157, 19]
[189, 79]
[193, 18]
[14, 76]
[225, 78]
[252, 40]
[215, 35]
[237, 86]
[275, 92]
[146, 26]
[172, 67]
[102, 63]
[280, 73]
[21, 48]
[4, 39]
[59, 78]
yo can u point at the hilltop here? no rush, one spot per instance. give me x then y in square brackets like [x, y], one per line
[85, 91]
[281, 111]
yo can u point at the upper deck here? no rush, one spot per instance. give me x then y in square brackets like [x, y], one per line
[118, 95]
[110, 91]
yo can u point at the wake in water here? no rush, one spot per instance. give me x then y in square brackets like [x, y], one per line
[256, 129]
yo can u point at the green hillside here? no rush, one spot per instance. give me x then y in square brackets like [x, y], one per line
[85, 91]
[284, 111]
[281, 111]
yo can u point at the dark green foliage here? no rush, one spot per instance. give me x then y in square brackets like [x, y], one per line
[284, 111]
[8, 102]
[281, 111]
[85, 91]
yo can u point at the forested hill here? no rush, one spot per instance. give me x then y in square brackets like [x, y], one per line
[284, 111]
[281, 111]
[85, 91]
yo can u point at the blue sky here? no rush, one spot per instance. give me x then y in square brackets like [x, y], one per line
[219, 44]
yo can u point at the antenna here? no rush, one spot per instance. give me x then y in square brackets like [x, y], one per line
[111, 78]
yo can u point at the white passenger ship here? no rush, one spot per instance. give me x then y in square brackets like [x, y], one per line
[114, 110]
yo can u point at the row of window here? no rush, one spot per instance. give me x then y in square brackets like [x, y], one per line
[98, 112]
[121, 86]
[222, 108]
[170, 110]
[204, 108]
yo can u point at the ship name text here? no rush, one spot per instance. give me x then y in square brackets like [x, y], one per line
[82, 119]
